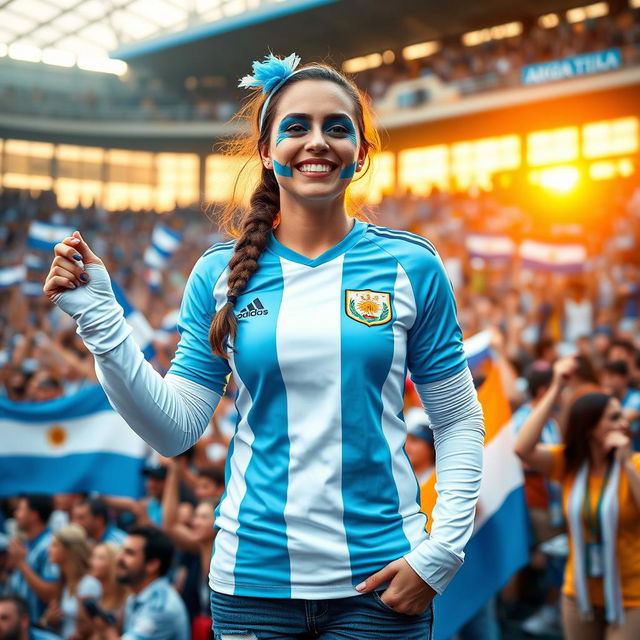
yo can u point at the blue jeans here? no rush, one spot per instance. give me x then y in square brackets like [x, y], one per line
[363, 617]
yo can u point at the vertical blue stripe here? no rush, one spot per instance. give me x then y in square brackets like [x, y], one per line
[262, 530]
[374, 539]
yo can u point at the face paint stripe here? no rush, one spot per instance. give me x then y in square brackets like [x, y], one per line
[283, 170]
[348, 172]
[283, 134]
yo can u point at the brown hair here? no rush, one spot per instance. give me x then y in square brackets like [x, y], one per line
[252, 227]
[74, 540]
[584, 415]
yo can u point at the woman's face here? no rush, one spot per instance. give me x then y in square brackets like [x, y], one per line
[315, 146]
[202, 522]
[57, 551]
[99, 563]
[612, 420]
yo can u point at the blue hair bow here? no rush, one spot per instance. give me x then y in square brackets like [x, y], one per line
[270, 72]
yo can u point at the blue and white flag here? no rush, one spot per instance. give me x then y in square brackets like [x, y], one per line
[143, 333]
[499, 546]
[477, 349]
[35, 262]
[164, 242]
[32, 289]
[490, 247]
[553, 257]
[12, 275]
[44, 236]
[75, 443]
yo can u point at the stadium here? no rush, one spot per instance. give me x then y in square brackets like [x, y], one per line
[509, 141]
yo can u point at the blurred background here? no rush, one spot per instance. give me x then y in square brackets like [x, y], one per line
[510, 139]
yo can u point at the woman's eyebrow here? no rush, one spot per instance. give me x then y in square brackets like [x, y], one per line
[306, 116]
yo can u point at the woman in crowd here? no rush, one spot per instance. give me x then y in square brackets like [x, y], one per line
[70, 550]
[103, 567]
[600, 477]
[318, 316]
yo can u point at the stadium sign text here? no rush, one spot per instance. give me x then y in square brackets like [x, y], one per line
[585, 64]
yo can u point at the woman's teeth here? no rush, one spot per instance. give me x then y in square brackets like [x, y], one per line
[317, 168]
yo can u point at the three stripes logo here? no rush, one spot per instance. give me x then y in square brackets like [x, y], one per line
[255, 308]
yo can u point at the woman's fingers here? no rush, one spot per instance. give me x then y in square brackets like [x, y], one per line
[57, 284]
[64, 267]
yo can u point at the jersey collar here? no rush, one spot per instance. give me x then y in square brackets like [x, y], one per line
[342, 247]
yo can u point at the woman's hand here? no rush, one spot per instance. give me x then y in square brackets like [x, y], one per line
[53, 614]
[407, 592]
[619, 441]
[563, 369]
[67, 269]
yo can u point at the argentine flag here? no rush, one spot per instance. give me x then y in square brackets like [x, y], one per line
[553, 257]
[490, 247]
[12, 275]
[75, 443]
[43, 236]
[164, 243]
[499, 546]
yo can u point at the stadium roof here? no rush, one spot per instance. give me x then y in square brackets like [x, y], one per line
[219, 36]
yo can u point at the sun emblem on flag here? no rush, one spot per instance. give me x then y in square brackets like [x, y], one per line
[57, 435]
[368, 307]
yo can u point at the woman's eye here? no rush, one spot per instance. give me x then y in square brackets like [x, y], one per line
[338, 130]
[295, 128]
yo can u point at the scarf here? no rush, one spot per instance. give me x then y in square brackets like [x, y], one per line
[608, 531]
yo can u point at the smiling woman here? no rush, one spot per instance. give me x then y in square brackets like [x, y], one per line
[317, 316]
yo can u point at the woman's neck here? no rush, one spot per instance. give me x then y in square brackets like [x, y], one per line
[309, 230]
[598, 459]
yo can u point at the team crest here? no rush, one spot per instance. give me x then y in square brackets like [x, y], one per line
[369, 307]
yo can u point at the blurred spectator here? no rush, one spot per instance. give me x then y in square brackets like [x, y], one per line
[70, 550]
[154, 611]
[92, 514]
[103, 567]
[15, 623]
[419, 444]
[35, 577]
[616, 380]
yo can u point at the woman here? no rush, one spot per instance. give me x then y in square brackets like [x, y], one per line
[600, 477]
[103, 567]
[317, 316]
[70, 551]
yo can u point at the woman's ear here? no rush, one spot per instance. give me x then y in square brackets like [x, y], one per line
[264, 156]
[362, 158]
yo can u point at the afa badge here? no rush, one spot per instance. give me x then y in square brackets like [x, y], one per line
[368, 307]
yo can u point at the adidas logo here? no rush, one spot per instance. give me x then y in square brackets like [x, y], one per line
[255, 308]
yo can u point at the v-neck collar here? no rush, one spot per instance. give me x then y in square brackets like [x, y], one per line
[342, 247]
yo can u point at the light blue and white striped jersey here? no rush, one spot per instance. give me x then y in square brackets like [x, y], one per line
[320, 493]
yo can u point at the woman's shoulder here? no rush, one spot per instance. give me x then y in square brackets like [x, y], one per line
[409, 249]
[214, 260]
[89, 587]
[219, 250]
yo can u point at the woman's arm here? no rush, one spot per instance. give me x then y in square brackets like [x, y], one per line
[527, 446]
[177, 532]
[169, 413]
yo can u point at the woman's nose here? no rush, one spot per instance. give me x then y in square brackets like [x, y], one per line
[317, 141]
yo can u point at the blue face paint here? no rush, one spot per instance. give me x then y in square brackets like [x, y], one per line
[348, 172]
[282, 169]
[290, 128]
[341, 127]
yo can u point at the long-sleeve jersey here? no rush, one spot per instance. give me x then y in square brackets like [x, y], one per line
[320, 493]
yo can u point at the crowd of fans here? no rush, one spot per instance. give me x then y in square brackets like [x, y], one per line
[83, 566]
[467, 69]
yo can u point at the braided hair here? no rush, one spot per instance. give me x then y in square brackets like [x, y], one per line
[264, 205]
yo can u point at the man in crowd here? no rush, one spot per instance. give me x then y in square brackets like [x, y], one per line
[15, 623]
[92, 514]
[154, 610]
[34, 577]
[616, 380]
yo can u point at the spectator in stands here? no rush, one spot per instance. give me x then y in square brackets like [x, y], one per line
[15, 623]
[154, 611]
[103, 567]
[209, 483]
[70, 550]
[600, 478]
[42, 386]
[35, 578]
[196, 539]
[625, 350]
[92, 514]
[616, 381]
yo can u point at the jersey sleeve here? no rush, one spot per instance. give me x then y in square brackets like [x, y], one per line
[194, 359]
[435, 350]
